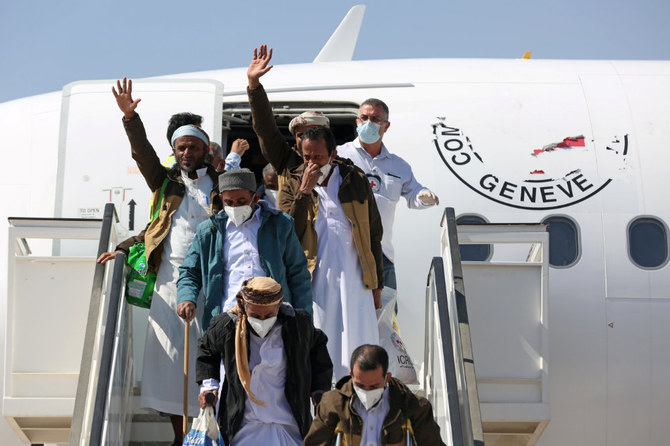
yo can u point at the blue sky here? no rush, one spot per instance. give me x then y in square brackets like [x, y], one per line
[46, 44]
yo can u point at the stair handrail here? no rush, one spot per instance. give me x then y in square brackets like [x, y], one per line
[445, 290]
[87, 419]
[436, 284]
[115, 308]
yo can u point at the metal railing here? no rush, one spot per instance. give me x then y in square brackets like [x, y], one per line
[449, 375]
[104, 392]
[48, 298]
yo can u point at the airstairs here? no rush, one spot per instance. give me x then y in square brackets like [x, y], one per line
[69, 372]
[486, 352]
[69, 364]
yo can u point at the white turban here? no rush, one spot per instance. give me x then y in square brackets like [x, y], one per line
[308, 118]
[190, 130]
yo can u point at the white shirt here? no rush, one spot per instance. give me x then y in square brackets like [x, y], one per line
[373, 419]
[242, 262]
[343, 308]
[193, 209]
[164, 345]
[390, 178]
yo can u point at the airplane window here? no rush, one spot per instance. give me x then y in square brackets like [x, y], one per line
[648, 242]
[478, 253]
[563, 241]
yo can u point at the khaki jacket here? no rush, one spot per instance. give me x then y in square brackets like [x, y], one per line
[336, 406]
[154, 174]
[359, 206]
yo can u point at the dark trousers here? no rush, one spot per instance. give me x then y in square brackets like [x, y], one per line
[389, 273]
[390, 285]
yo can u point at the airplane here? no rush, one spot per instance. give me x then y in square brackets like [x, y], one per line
[577, 145]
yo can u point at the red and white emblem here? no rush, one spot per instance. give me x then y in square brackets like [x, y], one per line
[375, 181]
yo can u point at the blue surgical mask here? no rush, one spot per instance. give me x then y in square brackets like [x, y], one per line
[368, 131]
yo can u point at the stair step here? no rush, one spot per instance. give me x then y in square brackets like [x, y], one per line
[149, 417]
[152, 432]
[150, 443]
[149, 427]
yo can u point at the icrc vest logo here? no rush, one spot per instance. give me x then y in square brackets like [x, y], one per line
[375, 181]
[536, 190]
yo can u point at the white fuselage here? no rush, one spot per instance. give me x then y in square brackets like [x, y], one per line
[469, 129]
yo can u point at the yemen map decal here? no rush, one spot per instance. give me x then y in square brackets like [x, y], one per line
[538, 191]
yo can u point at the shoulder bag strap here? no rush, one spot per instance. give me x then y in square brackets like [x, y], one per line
[157, 205]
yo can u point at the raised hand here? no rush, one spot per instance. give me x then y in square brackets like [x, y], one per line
[259, 65]
[240, 146]
[124, 98]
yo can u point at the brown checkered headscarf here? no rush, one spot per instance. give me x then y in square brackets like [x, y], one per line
[258, 291]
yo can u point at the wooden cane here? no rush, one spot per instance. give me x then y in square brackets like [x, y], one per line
[186, 342]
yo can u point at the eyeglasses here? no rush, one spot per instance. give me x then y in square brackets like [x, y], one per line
[375, 119]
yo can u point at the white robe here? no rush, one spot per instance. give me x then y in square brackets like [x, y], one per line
[274, 424]
[163, 366]
[343, 308]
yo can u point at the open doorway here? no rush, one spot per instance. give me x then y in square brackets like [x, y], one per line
[237, 123]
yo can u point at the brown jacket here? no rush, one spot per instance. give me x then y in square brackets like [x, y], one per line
[337, 407]
[359, 206]
[154, 173]
[276, 150]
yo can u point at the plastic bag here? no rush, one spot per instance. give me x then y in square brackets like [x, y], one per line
[400, 364]
[139, 283]
[204, 430]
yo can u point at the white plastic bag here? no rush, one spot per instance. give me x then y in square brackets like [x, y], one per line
[400, 364]
[204, 431]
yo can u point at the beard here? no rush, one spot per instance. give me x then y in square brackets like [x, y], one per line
[191, 166]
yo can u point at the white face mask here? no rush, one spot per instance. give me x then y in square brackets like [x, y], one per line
[325, 170]
[262, 326]
[238, 214]
[369, 397]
